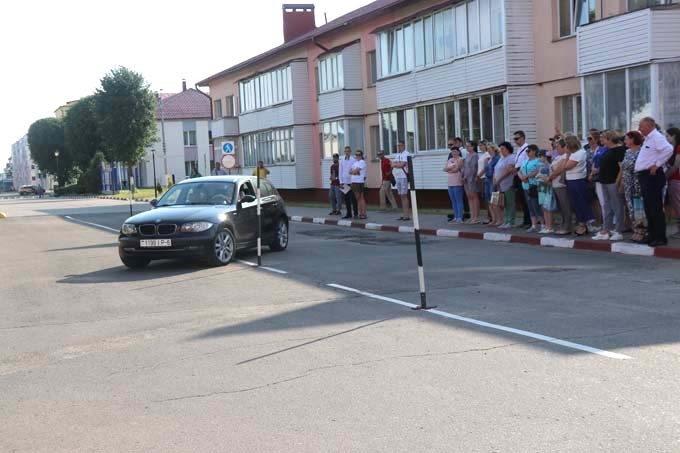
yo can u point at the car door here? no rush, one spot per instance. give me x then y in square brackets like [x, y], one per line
[270, 207]
[245, 218]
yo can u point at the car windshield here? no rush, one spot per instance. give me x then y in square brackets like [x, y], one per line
[199, 193]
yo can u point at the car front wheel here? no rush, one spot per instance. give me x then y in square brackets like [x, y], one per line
[223, 248]
[280, 241]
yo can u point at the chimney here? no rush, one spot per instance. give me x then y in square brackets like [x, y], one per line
[184, 84]
[298, 19]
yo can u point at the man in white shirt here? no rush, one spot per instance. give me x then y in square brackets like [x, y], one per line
[520, 139]
[654, 154]
[400, 172]
[346, 183]
[358, 178]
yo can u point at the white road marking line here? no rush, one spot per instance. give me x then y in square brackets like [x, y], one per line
[92, 224]
[272, 269]
[524, 333]
[267, 268]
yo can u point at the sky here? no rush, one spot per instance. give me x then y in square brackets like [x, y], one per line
[57, 51]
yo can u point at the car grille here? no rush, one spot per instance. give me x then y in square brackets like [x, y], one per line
[164, 229]
[147, 230]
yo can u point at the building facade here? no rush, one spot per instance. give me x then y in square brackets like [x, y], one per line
[24, 170]
[425, 71]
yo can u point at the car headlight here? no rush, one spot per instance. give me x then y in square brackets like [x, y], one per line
[196, 227]
[128, 229]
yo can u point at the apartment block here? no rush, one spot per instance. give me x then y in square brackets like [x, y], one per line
[424, 71]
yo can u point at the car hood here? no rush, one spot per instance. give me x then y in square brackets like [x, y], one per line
[182, 214]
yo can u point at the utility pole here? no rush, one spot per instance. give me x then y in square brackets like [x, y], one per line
[165, 155]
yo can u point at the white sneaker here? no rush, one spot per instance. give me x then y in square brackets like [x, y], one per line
[532, 229]
[505, 226]
[547, 231]
[616, 236]
[601, 237]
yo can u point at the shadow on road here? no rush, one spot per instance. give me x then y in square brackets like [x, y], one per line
[121, 274]
[111, 245]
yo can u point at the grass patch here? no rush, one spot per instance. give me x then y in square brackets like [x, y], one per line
[139, 194]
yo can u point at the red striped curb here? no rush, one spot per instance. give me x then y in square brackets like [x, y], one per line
[545, 241]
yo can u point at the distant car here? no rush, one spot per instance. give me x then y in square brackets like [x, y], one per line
[28, 190]
[211, 217]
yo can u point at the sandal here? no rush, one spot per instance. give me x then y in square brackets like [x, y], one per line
[363, 217]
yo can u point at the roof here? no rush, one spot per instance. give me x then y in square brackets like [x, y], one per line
[223, 178]
[352, 18]
[189, 104]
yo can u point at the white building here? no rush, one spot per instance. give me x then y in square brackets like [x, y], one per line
[24, 170]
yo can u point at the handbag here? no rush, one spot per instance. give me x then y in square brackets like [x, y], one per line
[638, 209]
[393, 180]
[533, 191]
[497, 199]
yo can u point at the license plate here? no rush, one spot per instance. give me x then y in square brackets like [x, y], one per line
[155, 243]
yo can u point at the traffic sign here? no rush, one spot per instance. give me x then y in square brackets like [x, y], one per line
[228, 161]
[228, 148]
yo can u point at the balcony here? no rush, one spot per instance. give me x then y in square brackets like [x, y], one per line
[629, 39]
[225, 127]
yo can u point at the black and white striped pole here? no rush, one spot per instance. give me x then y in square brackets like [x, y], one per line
[416, 231]
[259, 220]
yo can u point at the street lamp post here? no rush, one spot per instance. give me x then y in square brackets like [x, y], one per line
[56, 155]
[153, 160]
[165, 156]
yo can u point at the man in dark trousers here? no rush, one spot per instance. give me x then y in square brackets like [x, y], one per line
[346, 184]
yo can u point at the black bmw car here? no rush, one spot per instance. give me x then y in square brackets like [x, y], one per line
[211, 218]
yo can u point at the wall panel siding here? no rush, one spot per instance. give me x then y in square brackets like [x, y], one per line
[521, 106]
[351, 62]
[354, 102]
[619, 41]
[279, 116]
[326, 173]
[331, 104]
[665, 33]
[519, 39]
[475, 73]
[305, 170]
[428, 171]
[302, 92]
[282, 176]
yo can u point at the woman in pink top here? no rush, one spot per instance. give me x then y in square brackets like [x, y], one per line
[454, 168]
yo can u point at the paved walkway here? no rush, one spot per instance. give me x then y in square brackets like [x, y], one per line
[437, 225]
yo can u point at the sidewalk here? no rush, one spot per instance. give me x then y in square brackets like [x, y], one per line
[437, 225]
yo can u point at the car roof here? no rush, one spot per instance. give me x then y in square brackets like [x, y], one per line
[227, 178]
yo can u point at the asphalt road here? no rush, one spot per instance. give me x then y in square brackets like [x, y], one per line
[180, 357]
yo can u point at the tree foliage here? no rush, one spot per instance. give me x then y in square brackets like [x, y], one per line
[91, 179]
[46, 136]
[81, 132]
[124, 108]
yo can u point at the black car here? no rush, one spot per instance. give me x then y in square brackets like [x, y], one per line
[211, 217]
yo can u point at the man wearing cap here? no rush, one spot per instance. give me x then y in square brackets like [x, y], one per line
[386, 184]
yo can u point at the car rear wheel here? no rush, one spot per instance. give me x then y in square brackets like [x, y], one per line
[223, 248]
[280, 241]
[135, 262]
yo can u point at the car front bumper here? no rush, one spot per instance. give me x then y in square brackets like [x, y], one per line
[185, 245]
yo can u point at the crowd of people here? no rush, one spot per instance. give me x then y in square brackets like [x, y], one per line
[616, 183]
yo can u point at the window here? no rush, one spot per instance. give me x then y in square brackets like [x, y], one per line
[331, 75]
[464, 115]
[498, 118]
[640, 94]
[476, 120]
[473, 25]
[372, 68]
[229, 112]
[470, 26]
[608, 101]
[487, 118]
[669, 94]
[374, 132]
[265, 90]
[569, 109]
[189, 138]
[273, 147]
[450, 120]
[189, 165]
[616, 100]
[574, 13]
[398, 126]
[332, 138]
[440, 114]
[639, 4]
[218, 108]
[461, 31]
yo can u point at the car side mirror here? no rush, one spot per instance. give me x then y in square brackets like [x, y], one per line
[153, 203]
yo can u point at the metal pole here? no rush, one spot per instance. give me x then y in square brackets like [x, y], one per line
[165, 155]
[153, 158]
[416, 231]
[259, 221]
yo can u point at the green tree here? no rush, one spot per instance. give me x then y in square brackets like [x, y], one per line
[91, 179]
[124, 108]
[81, 132]
[8, 169]
[46, 136]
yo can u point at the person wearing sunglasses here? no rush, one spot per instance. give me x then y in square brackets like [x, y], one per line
[521, 156]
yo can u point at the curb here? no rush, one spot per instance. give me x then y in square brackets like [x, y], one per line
[622, 248]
